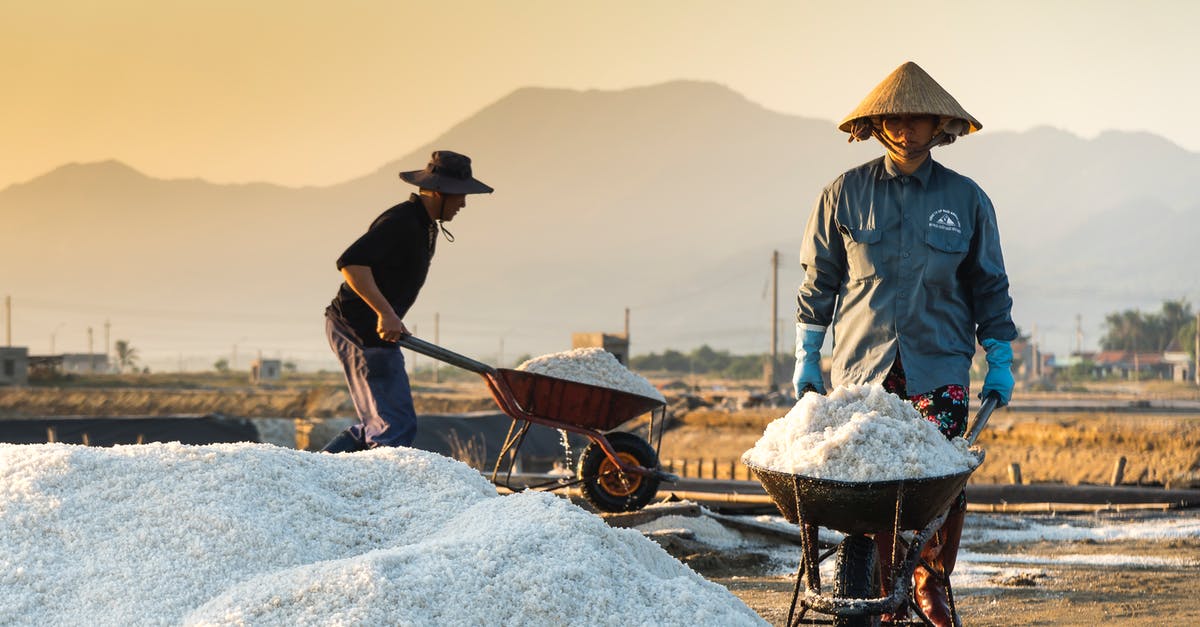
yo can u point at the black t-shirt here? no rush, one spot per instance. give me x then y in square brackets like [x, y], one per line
[397, 247]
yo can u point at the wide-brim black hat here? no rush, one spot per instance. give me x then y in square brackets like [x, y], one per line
[448, 172]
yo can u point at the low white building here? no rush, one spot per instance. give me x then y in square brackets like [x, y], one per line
[84, 363]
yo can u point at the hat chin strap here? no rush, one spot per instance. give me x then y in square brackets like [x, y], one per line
[441, 214]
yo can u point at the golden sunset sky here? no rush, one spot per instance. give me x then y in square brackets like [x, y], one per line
[305, 92]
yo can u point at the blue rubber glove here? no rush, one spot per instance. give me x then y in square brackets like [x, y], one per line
[808, 359]
[999, 377]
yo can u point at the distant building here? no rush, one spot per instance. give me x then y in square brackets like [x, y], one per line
[1131, 365]
[265, 370]
[1180, 362]
[84, 363]
[14, 365]
[616, 344]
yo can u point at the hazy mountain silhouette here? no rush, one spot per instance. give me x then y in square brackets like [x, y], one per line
[667, 199]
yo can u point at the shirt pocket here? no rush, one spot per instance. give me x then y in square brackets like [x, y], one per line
[946, 252]
[863, 254]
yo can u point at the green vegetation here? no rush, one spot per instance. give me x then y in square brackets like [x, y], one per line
[1131, 330]
[126, 356]
[707, 361]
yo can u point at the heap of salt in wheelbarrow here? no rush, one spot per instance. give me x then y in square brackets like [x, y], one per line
[858, 433]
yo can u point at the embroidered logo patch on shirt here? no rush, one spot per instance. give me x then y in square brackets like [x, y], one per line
[945, 220]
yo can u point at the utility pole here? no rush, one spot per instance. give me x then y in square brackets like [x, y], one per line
[626, 324]
[1034, 353]
[8, 320]
[91, 353]
[107, 346]
[1078, 335]
[1137, 366]
[772, 375]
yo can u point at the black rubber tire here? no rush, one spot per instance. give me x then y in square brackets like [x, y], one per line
[610, 491]
[856, 577]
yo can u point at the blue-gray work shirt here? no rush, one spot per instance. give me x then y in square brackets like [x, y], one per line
[910, 263]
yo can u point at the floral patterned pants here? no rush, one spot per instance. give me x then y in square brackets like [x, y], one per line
[945, 407]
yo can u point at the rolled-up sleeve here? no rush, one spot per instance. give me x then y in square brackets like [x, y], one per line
[823, 259]
[984, 269]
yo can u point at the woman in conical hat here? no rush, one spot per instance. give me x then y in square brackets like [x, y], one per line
[902, 259]
[909, 92]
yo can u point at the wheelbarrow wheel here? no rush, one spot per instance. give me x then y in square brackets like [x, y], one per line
[856, 577]
[609, 489]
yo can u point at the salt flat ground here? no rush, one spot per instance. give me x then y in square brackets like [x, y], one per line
[1136, 569]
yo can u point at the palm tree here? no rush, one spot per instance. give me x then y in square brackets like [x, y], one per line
[1122, 330]
[127, 355]
[1176, 315]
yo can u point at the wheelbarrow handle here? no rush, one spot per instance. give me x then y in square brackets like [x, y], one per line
[418, 345]
[990, 402]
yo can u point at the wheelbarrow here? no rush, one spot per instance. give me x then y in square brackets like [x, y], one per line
[617, 472]
[858, 510]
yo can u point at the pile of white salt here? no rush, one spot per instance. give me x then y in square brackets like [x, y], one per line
[593, 366]
[238, 534]
[858, 433]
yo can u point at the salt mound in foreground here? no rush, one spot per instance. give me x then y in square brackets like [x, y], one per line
[858, 433]
[526, 559]
[593, 366]
[164, 534]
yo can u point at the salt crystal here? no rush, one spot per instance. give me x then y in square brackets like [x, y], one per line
[593, 366]
[858, 433]
[168, 534]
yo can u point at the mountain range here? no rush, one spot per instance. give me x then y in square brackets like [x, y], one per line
[666, 200]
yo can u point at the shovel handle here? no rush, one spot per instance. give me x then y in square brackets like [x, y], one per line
[428, 349]
[990, 402]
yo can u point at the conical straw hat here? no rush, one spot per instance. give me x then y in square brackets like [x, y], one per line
[909, 90]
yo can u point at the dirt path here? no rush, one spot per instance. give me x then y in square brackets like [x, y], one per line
[1071, 596]
[1123, 584]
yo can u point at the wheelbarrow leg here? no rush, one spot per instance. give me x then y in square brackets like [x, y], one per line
[887, 544]
[808, 538]
[809, 571]
[512, 443]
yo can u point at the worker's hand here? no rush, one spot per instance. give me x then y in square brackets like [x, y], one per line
[999, 378]
[391, 327]
[807, 374]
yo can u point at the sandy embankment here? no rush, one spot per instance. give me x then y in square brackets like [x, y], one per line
[1070, 448]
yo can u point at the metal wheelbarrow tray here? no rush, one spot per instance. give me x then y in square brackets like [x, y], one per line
[859, 509]
[618, 471]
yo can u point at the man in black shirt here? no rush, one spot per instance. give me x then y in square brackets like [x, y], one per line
[384, 270]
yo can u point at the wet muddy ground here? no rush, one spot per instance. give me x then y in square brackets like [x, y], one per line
[1137, 582]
